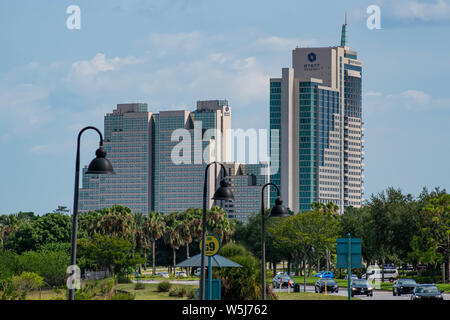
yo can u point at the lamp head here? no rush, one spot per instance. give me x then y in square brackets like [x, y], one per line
[100, 165]
[279, 210]
[224, 192]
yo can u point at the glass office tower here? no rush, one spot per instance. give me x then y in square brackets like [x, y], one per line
[176, 187]
[126, 139]
[317, 107]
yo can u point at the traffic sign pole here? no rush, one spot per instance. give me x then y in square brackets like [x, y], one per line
[212, 246]
[349, 268]
[210, 276]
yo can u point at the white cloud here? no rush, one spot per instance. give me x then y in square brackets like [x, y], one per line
[274, 43]
[23, 107]
[373, 94]
[40, 149]
[178, 43]
[87, 70]
[432, 10]
[410, 100]
[416, 97]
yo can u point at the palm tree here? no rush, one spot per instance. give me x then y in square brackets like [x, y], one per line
[172, 235]
[117, 221]
[191, 226]
[8, 225]
[218, 223]
[141, 234]
[332, 208]
[155, 227]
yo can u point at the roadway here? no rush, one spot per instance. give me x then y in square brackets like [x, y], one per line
[377, 294]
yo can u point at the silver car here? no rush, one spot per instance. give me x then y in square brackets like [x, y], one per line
[282, 281]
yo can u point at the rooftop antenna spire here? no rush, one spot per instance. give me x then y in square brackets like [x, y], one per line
[344, 33]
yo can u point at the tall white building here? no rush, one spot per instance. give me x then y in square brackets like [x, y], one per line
[316, 105]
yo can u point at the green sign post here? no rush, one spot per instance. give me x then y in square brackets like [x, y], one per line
[349, 256]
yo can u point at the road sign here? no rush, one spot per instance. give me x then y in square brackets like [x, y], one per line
[349, 256]
[342, 252]
[212, 245]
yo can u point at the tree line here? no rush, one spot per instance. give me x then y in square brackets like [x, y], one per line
[394, 228]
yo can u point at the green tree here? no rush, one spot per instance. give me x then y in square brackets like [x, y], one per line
[26, 282]
[24, 238]
[384, 208]
[298, 233]
[141, 235]
[106, 252]
[432, 244]
[53, 228]
[172, 235]
[155, 227]
[249, 235]
[117, 221]
[217, 223]
[241, 283]
[51, 265]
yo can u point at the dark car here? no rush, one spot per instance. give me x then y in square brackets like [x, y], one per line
[427, 292]
[332, 285]
[403, 286]
[361, 287]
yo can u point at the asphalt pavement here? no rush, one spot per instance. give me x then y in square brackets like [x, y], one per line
[377, 294]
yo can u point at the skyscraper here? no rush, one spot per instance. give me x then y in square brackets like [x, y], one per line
[246, 181]
[317, 107]
[178, 186]
[140, 146]
[126, 140]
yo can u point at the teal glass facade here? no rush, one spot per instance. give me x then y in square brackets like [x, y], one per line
[275, 137]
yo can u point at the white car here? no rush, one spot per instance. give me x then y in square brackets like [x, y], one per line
[180, 274]
[163, 274]
[198, 272]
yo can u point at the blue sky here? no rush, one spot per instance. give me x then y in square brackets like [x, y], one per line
[171, 53]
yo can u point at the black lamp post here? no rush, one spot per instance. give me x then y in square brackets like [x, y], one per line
[223, 193]
[278, 210]
[100, 165]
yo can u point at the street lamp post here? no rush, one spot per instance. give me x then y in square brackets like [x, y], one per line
[277, 211]
[100, 165]
[223, 193]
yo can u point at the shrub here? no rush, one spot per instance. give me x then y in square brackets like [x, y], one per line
[122, 296]
[241, 283]
[139, 286]
[178, 292]
[106, 286]
[8, 264]
[191, 294]
[9, 292]
[123, 279]
[51, 265]
[164, 286]
[27, 281]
